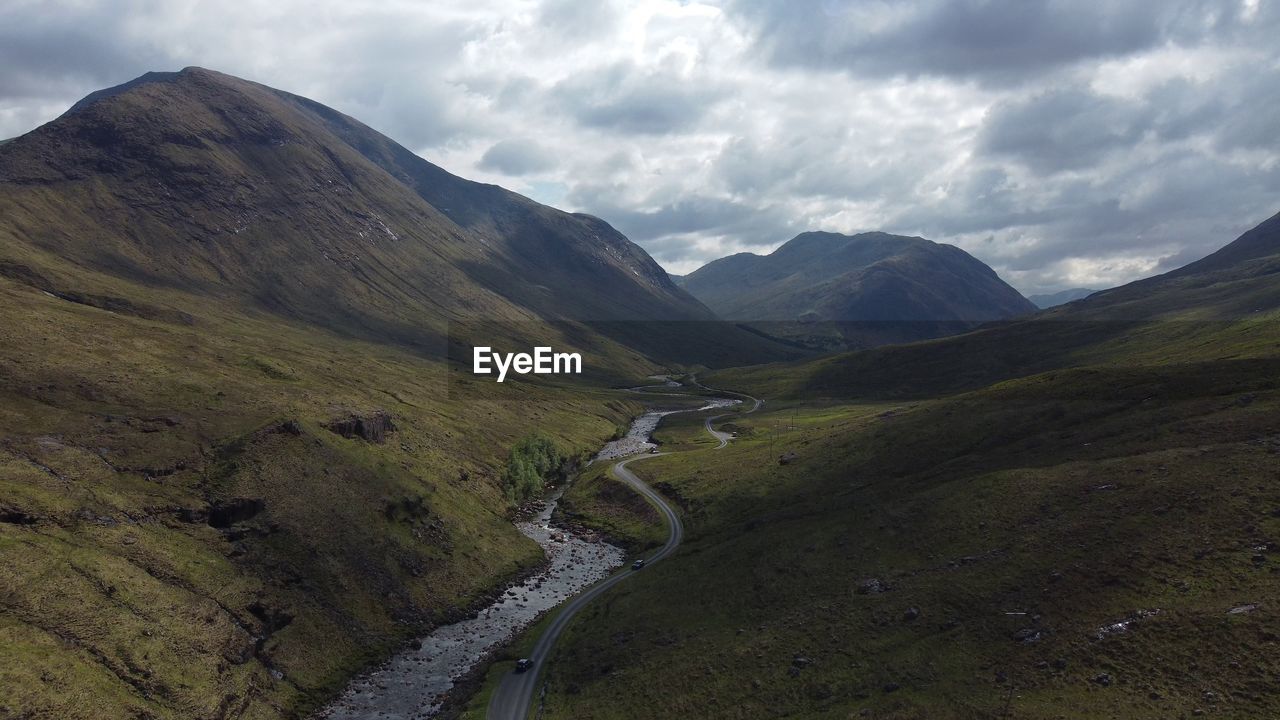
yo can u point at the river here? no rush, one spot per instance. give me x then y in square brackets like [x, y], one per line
[415, 682]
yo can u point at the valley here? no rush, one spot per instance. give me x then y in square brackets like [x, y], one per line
[248, 470]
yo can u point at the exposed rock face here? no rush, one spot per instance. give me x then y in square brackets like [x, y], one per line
[226, 514]
[17, 516]
[372, 427]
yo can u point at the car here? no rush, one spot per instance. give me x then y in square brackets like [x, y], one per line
[653, 451]
[637, 564]
[523, 664]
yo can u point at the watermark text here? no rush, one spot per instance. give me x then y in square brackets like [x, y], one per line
[543, 361]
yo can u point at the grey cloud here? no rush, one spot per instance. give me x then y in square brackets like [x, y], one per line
[50, 57]
[627, 99]
[1249, 111]
[517, 157]
[1193, 204]
[991, 40]
[378, 66]
[749, 225]
[1074, 127]
[1062, 129]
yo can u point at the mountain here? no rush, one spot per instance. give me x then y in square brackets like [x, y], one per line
[1061, 297]
[236, 467]
[898, 288]
[1227, 300]
[865, 277]
[237, 192]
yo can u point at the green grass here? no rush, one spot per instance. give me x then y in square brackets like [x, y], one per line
[598, 500]
[121, 434]
[1077, 496]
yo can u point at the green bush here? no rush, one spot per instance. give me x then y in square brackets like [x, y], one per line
[533, 461]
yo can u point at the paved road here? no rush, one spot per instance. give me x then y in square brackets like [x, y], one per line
[514, 695]
[725, 437]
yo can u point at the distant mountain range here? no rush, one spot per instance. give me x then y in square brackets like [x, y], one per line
[891, 287]
[1059, 298]
[1223, 304]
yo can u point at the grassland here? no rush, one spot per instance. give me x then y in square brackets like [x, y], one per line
[1083, 525]
[183, 536]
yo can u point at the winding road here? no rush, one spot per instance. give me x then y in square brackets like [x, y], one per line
[725, 437]
[513, 697]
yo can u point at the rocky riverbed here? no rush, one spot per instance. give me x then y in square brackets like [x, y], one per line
[414, 684]
[637, 439]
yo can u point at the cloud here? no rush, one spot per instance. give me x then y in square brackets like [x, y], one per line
[517, 157]
[996, 41]
[1063, 129]
[625, 98]
[1065, 143]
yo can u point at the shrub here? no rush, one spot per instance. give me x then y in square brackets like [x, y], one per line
[534, 460]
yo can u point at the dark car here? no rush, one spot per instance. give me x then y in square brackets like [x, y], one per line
[523, 664]
[637, 565]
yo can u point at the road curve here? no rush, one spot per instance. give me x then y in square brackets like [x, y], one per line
[513, 697]
[725, 437]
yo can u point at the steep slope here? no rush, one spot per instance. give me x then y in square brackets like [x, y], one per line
[584, 269]
[1259, 244]
[239, 193]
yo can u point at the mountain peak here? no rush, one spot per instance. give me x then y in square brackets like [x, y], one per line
[189, 73]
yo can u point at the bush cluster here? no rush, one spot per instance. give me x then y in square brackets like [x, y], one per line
[533, 461]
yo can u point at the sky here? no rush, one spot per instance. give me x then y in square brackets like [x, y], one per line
[1064, 143]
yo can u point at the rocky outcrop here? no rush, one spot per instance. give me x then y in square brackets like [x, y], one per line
[372, 427]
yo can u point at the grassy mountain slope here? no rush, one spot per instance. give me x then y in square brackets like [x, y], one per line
[1004, 530]
[1081, 522]
[244, 194]
[184, 535]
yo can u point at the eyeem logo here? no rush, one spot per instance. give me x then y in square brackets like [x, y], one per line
[542, 362]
